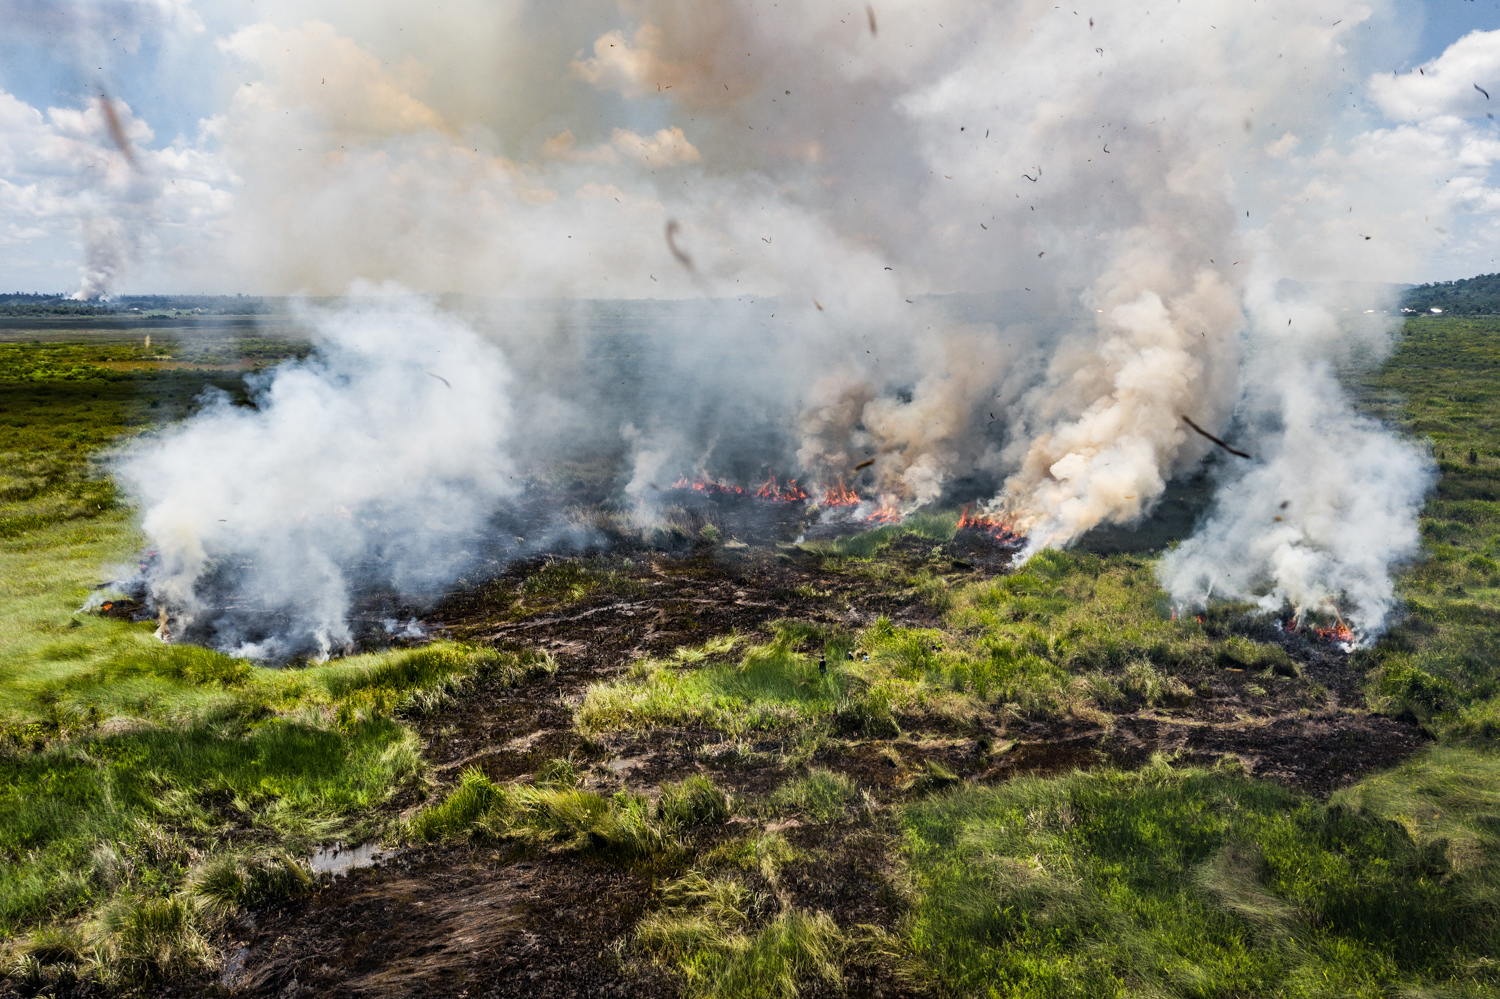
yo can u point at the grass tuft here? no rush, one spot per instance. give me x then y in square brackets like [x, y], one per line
[560, 818]
[820, 796]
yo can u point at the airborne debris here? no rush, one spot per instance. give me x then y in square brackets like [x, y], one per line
[1211, 437]
[441, 379]
[682, 258]
[818, 304]
[116, 130]
[870, 13]
[864, 464]
[1483, 91]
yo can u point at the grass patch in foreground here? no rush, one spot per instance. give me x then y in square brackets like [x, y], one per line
[1193, 882]
[559, 816]
[129, 814]
[220, 752]
[770, 688]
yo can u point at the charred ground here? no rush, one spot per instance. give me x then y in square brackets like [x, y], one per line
[623, 770]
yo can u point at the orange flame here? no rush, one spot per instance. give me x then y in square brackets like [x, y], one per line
[1338, 633]
[840, 495]
[986, 524]
[707, 486]
[774, 493]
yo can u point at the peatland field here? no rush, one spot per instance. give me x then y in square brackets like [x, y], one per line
[710, 759]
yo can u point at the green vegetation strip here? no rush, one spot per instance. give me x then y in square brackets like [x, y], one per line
[1202, 882]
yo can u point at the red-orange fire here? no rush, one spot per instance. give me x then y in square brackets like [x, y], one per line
[1338, 633]
[840, 496]
[711, 487]
[790, 493]
[986, 524]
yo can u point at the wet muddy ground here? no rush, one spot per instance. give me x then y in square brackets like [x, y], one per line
[466, 922]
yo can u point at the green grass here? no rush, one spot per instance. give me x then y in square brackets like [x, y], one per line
[145, 789]
[1192, 882]
[1069, 634]
[930, 525]
[1444, 657]
[820, 796]
[545, 816]
[771, 688]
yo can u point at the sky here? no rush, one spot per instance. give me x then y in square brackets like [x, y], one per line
[211, 198]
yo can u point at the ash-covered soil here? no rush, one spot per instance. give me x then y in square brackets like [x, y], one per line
[468, 922]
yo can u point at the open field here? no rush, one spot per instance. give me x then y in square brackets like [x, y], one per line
[711, 760]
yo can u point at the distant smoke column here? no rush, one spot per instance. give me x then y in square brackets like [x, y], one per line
[379, 461]
[106, 250]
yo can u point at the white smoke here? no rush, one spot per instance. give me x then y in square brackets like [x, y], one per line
[381, 457]
[1121, 190]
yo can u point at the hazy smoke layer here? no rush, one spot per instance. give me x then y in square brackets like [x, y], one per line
[381, 459]
[996, 251]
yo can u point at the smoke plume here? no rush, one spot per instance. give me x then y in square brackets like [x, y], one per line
[997, 252]
[380, 459]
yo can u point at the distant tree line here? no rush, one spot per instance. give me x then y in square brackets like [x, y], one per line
[24, 304]
[1469, 296]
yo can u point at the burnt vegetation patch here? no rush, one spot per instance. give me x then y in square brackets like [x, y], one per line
[741, 749]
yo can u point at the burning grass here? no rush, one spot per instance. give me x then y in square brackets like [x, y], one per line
[149, 793]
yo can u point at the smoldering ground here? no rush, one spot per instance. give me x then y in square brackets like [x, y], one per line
[1088, 177]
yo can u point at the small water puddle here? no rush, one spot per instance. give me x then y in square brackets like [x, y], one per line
[339, 859]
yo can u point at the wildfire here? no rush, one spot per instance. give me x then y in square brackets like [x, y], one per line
[986, 524]
[710, 487]
[1337, 634]
[840, 495]
[774, 493]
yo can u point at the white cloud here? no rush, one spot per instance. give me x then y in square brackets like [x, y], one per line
[1446, 86]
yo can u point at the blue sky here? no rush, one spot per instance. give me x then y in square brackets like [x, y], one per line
[1445, 21]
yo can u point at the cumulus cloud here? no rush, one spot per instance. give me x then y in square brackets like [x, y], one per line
[64, 173]
[1449, 85]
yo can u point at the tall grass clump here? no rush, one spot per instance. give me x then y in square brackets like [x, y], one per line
[426, 678]
[64, 808]
[704, 933]
[553, 817]
[770, 688]
[820, 796]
